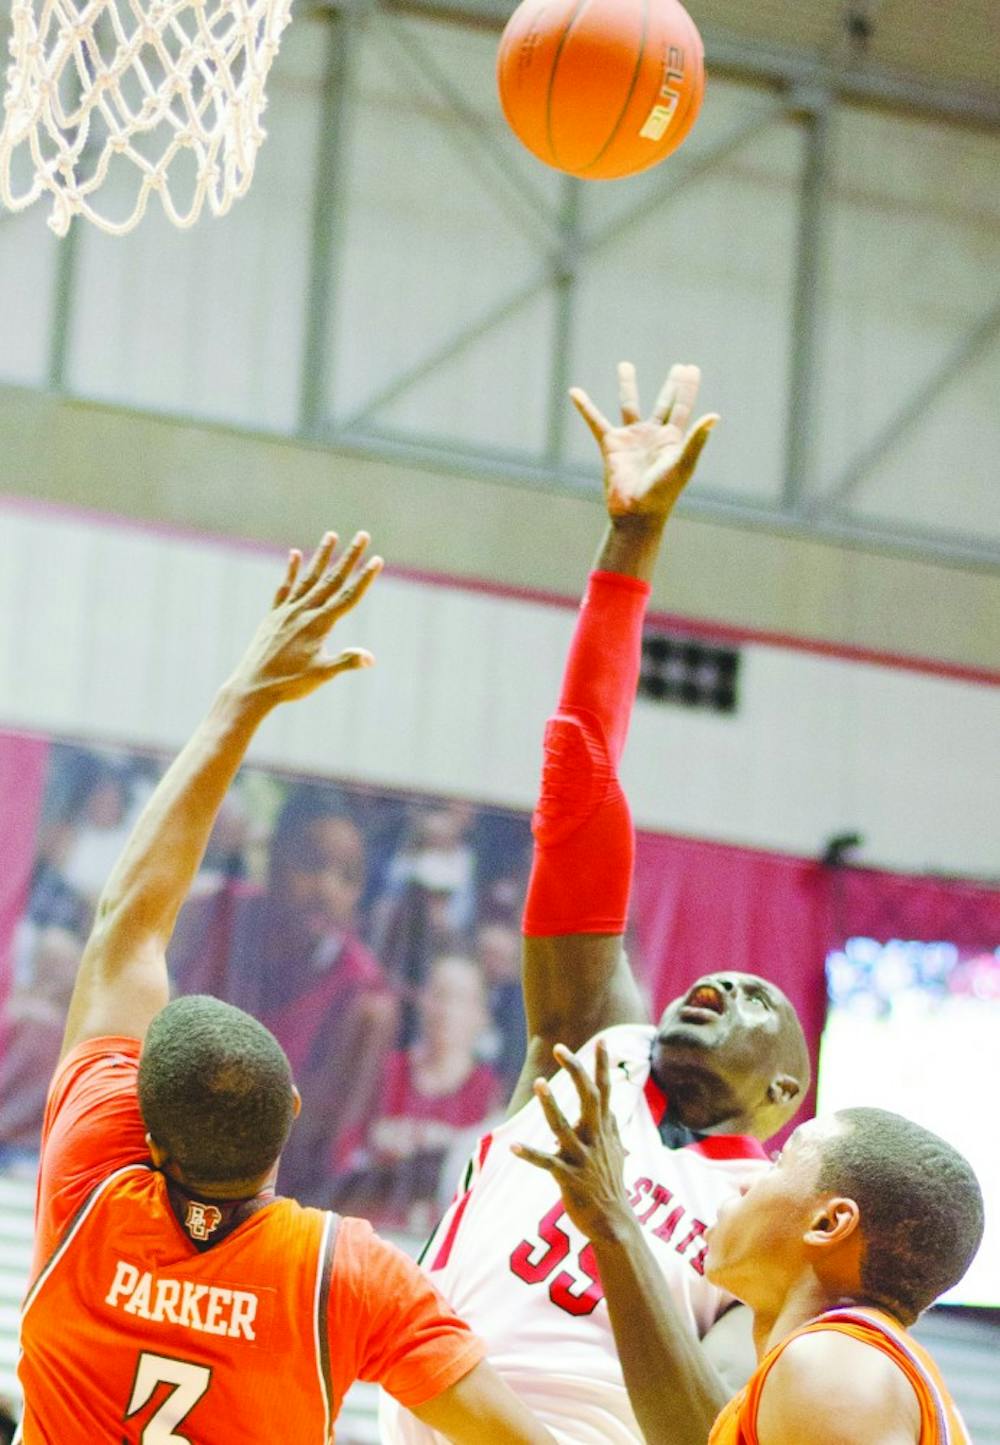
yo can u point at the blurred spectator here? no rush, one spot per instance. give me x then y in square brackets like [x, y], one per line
[439, 858]
[428, 906]
[8, 1421]
[31, 1033]
[91, 804]
[230, 845]
[498, 950]
[290, 954]
[321, 910]
[434, 1091]
[977, 976]
[503, 861]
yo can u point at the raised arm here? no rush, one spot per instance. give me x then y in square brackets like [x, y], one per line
[674, 1388]
[577, 980]
[122, 980]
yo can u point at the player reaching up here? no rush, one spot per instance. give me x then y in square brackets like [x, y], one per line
[865, 1219]
[174, 1296]
[693, 1095]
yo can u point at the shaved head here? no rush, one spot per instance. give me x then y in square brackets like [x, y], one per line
[731, 1056]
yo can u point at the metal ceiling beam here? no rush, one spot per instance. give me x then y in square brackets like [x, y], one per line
[808, 305]
[910, 414]
[476, 137]
[565, 312]
[756, 60]
[686, 168]
[63, 296]
[684, 173]
[316, 378]
[953, 548]
[439, 454]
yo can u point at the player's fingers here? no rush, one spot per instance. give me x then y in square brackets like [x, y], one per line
[341, 571]
[536, 1157]
[592, 415]
[602, 1076]
[687, 384]
[318, 564]
[628, 393]
[582, 1080]
[565, 1134]
[288, 581]
[350, 595]
[665, 400]
[352, 659]
[695, 444]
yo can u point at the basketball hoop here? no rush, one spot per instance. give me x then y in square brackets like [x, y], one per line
[165, 96]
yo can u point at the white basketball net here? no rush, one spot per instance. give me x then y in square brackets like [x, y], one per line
[101, 87]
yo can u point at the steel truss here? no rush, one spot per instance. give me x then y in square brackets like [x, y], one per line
[803, 88]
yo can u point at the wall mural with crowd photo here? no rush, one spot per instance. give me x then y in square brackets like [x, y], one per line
[377, 934]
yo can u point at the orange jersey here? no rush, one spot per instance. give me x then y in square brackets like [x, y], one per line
[138, 1329]
[940, 1422]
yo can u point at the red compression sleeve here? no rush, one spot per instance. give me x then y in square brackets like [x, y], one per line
[581, 873]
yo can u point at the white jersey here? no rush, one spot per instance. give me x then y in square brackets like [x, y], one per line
[508, 1260]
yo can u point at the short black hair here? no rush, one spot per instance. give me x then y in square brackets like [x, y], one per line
[920, 1203]
[215, 1090]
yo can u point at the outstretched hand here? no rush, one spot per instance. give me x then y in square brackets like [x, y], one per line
[647, 464]
[287, 658]
[590, 1159]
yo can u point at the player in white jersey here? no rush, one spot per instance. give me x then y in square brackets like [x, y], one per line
[723, 1069]
[538, 1296]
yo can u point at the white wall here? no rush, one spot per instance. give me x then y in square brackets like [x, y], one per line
[110, 632]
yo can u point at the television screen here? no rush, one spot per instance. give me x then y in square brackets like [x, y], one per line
[915, 1027]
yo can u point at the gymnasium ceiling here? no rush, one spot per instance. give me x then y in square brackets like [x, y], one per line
[941, 46]
[953, 42]
[941, 59]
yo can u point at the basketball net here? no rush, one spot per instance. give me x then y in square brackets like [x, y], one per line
[100, 86]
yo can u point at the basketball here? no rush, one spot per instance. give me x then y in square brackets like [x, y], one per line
[601, 88]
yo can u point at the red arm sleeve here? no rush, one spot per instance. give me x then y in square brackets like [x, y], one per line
[389, 1323]
[584, 844]
[92, 1127]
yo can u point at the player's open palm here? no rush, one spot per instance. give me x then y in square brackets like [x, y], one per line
[590, 1158]
[288, 658]
[647, 464]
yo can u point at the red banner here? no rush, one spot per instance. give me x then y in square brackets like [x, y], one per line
[377, 935]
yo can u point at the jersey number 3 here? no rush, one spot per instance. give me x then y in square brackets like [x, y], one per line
[188, 1383]
[575, 1289]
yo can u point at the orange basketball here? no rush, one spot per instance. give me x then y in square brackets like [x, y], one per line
[601, 88]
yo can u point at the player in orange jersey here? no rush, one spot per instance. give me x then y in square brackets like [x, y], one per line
[175, 1297]
[862, 1223]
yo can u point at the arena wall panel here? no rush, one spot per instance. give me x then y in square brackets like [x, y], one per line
[115, 633]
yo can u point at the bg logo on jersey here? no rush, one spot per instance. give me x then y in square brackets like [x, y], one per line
[202, 1220]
